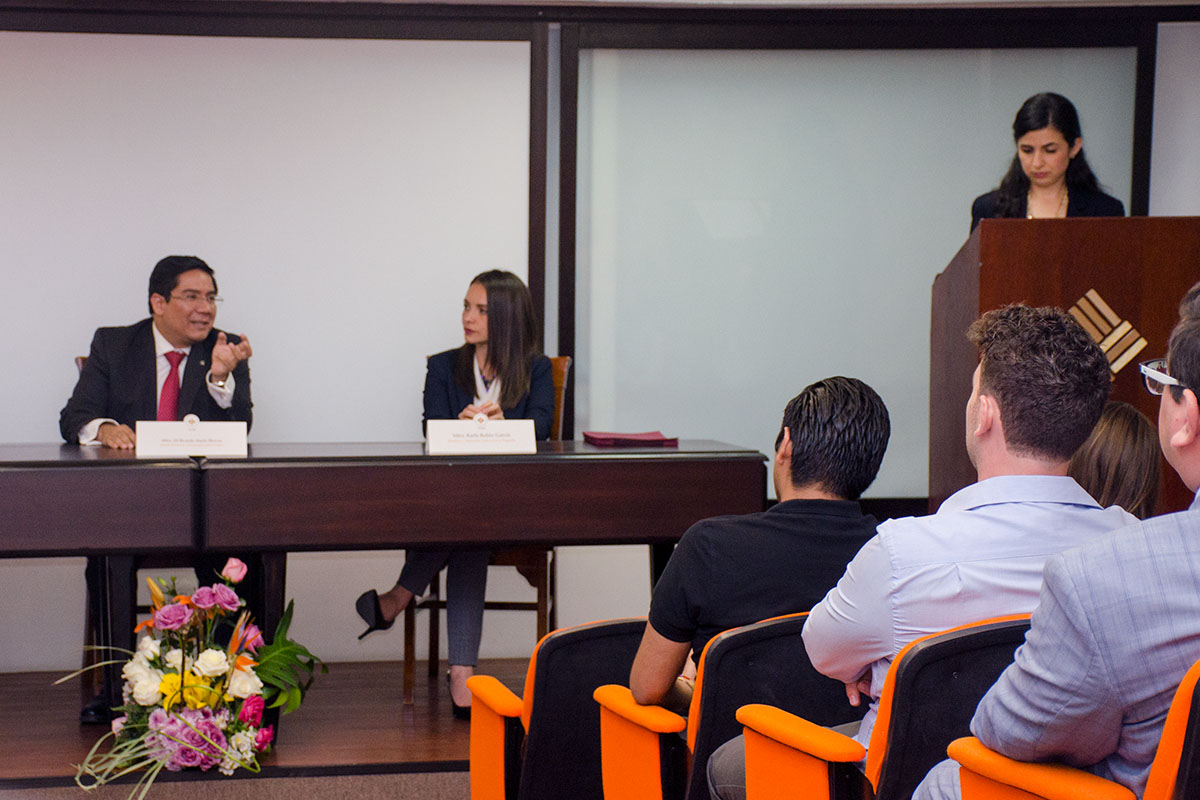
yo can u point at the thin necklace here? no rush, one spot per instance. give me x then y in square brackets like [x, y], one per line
[1062, 205]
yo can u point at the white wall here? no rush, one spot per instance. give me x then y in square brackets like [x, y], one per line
[345, 192]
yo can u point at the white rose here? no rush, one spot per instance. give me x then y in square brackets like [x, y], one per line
[242, 743]
[174, 659]
[211, 663]
[244, 683]
[148, 647]
[145, 692]
[135, 669]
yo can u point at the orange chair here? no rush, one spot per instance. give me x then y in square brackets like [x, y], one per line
[546, 745]
[1174, 775]
[642, 752]
[928, 700]
[536, 564]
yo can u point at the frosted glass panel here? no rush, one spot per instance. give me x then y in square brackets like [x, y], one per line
[1175, 170]
[753, 221]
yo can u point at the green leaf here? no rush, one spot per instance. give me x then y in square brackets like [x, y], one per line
[285, 667]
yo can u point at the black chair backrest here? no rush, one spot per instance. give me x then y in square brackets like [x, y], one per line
[562, 748]
[760, 663]
[1187, 780]
[938, 684]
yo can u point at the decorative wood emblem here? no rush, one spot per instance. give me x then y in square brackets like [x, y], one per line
[1119, 340]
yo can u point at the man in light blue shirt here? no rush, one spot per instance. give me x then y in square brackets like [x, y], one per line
[1118, 622]
[1037, 393]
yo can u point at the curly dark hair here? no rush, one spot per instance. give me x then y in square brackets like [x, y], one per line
[839, 429]
[1045, 110]
[1049, 378]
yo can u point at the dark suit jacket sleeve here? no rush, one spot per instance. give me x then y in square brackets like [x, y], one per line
[89, 401]
[1094, 204]
[984, 207]
[441, 392]
[241, 408]
[539, 406]
[1055, 702]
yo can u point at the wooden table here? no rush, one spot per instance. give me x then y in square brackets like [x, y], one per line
[64, 500]
[289, 497]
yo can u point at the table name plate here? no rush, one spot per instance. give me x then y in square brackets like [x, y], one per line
[190, 437]
[456, 437]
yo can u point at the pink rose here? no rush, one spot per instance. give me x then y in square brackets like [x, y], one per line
[185, 756]
[172, 617]
[225, 597]
[253, 638]
[234, 570]
[262, 739]
[252, 709]
[204, 597]
[118, 724]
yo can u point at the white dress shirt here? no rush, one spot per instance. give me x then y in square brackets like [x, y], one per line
[223, 395]
[981, 555]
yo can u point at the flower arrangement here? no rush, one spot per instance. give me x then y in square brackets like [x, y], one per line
[196, 688]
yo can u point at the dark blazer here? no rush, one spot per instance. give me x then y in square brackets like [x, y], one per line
[444, 398]
[1080, 203]
[119, 382]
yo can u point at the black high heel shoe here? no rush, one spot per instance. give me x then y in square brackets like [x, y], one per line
[457, 711]
[367, 606]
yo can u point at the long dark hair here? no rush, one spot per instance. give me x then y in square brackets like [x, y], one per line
[1044, 110]
[1118, 464]
[512, 337]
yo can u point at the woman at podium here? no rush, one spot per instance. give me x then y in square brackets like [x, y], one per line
[1049, 176]
[497, 372]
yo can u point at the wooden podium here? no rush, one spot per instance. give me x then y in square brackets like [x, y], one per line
[1125, 277]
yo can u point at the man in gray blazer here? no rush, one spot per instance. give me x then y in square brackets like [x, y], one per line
[1118, 620]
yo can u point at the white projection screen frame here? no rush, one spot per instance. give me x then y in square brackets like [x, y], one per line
[344, 190]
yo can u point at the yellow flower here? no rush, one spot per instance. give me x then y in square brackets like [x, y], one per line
[196, 691]
[156, 595]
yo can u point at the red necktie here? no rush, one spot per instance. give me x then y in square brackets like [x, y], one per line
[168, 401]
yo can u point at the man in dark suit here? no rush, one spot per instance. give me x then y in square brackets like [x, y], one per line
[126, 371]
[162, 368]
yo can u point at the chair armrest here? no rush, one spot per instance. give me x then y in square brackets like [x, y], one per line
[800, 734]
[788, 757]
[983, 769]
[656, 719]
[495, 695]
[496, 737]
[641, 752]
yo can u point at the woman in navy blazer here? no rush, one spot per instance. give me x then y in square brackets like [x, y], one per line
[1049, 175]
[498, 372]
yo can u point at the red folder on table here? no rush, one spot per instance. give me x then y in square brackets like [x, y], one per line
[647, 439]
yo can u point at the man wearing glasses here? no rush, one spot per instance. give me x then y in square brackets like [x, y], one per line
[162, 368]
[1117, 623]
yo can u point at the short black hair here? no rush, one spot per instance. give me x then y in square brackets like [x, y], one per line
[839, 429]
[1049, 378]
[1183, 347]
[165, 276]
